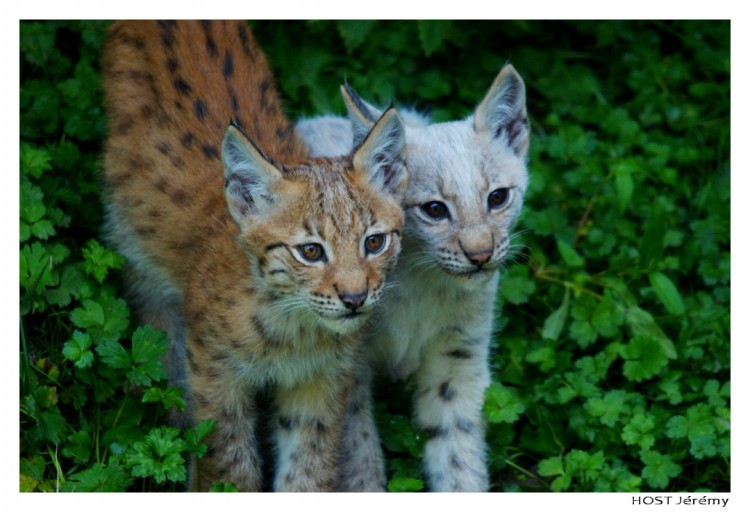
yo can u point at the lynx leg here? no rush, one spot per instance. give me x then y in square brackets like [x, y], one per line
[450, 394]
[307, 433]
[233, 453]
[361, 465]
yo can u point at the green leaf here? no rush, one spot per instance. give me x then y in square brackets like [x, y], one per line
[42, 229]
[501, 404]
[159, 456]
[99, 478]
[639, 431]
[113, 354]
[106, 319]
[223, 487]
[354, 32]
[432, 33]
[169, 397]
[624, 186]
[551, 466]
[77, 350]
[659, 469]
[517, 289]
[642, 323]
[569, 255]
[34, 161]
[607, 408]
[194, 437]
[667, 293]
[149, 345]
[405, 485]
[554, 323]
[100, 260]
[544, 356]
[644, 357]
[91, 315]
[78, 447]
[32, 203]
[399, 435]
[608, 316]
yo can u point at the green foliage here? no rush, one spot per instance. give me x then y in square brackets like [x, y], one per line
[611, 370]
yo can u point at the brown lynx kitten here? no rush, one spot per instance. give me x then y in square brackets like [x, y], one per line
[273, 264]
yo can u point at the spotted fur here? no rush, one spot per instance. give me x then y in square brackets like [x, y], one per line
[215, 203]
[437, 323]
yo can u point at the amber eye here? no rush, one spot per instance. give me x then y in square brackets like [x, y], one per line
[374, 243]
[498, 198]
[435, 209]
[312, 252]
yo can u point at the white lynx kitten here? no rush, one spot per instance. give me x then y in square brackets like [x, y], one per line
[467, 184]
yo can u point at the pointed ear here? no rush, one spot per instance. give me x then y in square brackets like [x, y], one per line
[249, 176]
[382, 155]
[503, 111]
[362, 115]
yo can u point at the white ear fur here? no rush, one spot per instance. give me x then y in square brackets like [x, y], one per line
[503, 111]
[382, 155]
[362, 115]
[248, 175]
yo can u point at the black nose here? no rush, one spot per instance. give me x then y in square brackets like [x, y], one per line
[353, 300]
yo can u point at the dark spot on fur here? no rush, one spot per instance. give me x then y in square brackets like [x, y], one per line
[445, 392]
[178, 104]
[161, 185]
[163, 147]
[163, 119]
[145, 231]
[136, 164]
[179, 197]
[320, 428]
[280, 134]
[124, 126]
[135, 42]
[465, 426]
[459, 354]
[234, 101]
[200, 109]
[172, 64]
[167, 33]
[147, 111]
[210, 43]
[182, 86]
[455, 462]
[187, 140]
[285, 422]
[228, 64]
[244, 39]
[177, 162]
[434, 432]
[210, 151]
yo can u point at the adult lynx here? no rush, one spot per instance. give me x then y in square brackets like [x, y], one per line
[273, 264]
[466, 188]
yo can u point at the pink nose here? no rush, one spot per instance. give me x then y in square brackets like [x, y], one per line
[480, 258]
[353, 300]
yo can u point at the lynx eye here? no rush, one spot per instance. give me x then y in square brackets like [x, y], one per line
[435, 210]
[312, 252]
[374, 243]
[498, 198]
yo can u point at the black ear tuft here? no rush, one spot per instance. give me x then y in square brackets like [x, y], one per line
[503, 111]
